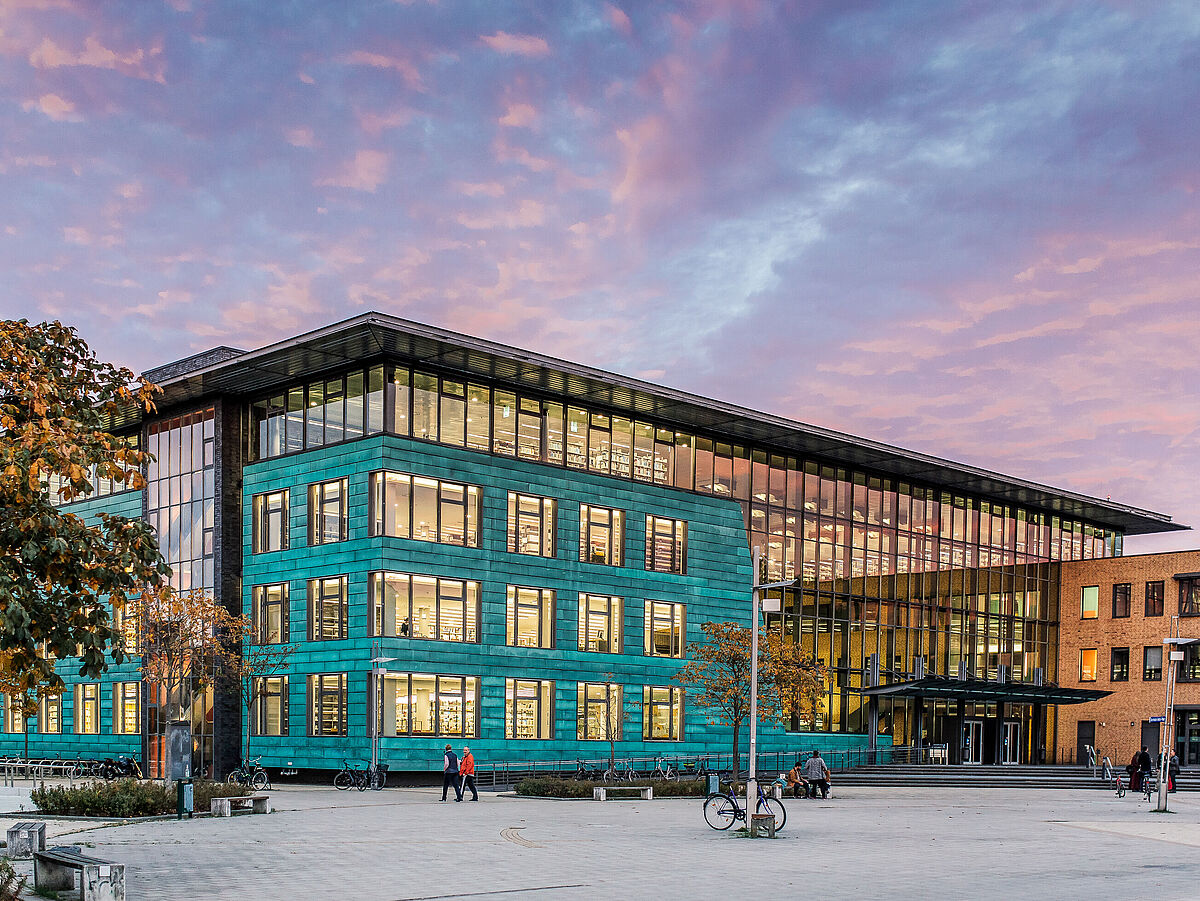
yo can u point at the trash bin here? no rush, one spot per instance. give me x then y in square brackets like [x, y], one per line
[762, 825]
[184, 798]
[714, 783]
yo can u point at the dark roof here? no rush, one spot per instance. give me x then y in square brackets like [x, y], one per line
[980, 690]
[376, 335]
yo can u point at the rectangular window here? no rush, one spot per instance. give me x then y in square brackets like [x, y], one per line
[127, 706]
[415, 606]
[50, 715]
[666, 545]
[599, 711]
[270, 522]
[1087, 665]
[601, 535]
[14, 717]
[666, 629]
[126, 625]
[1090, 602]
[1120, 665]
[662, 713]
[269, 614]
[530, 617]
[1122, 594]
[528, 709]
[1189, 669]
[531, 524]
[504, 423]
[408, 506]
[600, 623]
[418, 704]
[328, 608]
[1152, 664]
[270, 707]
[1155, 592]
[328, 518]
[1189, 597]
[327, 704]
[87, 708]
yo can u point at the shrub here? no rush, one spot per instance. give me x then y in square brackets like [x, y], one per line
[551, 787]
[10, 885]
[124, 798]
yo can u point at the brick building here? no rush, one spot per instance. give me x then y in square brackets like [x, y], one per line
[1114, 616]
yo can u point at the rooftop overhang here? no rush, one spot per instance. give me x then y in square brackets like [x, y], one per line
[981, 690]
[375, 335]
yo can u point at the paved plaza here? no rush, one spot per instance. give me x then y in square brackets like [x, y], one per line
[405, 844]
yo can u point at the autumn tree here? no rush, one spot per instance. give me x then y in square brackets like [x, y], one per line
[23, 692]
[58, 575]
[790, 682]
[246, 671]
[615, 717]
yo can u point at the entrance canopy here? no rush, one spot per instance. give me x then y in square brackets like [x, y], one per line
[981, 690]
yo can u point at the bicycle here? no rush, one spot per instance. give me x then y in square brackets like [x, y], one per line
[251, 773]
[722, 809]
[1149, 785]
[1119, 785]
[376, 776]
[666, 772]
[350, 777]
[585, 773]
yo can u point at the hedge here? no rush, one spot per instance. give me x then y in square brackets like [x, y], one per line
[551, 787]
[123, 798]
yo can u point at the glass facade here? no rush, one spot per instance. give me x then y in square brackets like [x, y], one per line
[416, 704]
[528, 709]
[270, 708]
[411, 606]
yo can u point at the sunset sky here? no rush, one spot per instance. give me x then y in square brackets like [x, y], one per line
[965, 228]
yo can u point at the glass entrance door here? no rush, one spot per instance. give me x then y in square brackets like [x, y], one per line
[1187, 737]
[1010, 751]
[972, 741]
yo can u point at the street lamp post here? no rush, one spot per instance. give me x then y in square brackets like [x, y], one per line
[1174, 657]
[377, 673]
[756, 609]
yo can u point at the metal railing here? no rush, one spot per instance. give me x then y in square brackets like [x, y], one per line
[14, 768]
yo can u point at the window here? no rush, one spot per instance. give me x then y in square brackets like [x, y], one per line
[1120, 665]
[416, 704]
[530, 617]
[666, 545]
[328, 520]
[14, 717]
[270, 709]
[665, 629]
[530, 524]
[87, 708]
[327, 704]
[269, 614]
[528, 709]
[600, 714]
[50, 715]
[1121, 598]
[125, 624]
[1154, 598]
[126, 701]
[328, 609]
[1152, 664]
[408, 506]
[1189, 597]
[270, 522]
[408, 606]
[329, 411]
[1189, 669]
[1087, 665]
[601, 535]
[600, 623]
[1090, 602]
[662, 713]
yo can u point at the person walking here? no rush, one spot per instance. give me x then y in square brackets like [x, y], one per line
[466, 769]
[1173, 772]
[796, 780]
[818, 775]
[450, 774]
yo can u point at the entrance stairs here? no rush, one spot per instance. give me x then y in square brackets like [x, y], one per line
[952, 776]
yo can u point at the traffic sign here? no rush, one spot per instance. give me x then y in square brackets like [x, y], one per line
[1158, 719]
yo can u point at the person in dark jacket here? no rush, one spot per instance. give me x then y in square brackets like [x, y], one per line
[1173, 772]
[450, 774]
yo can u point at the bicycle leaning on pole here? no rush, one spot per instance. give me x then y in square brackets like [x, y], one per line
[722, 809]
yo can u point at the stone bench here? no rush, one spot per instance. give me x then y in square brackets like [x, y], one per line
[99, 880]
[600, 792]
[224, 807]
[25, 838]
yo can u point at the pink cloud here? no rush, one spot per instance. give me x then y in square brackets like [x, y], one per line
[376, 123]
[528, 214]
[519, 115]
[405, 67]
[300, 137]
[486, 189]
[618, 19]
[363, 173]
[147, 64]
[516, 44]
[54, 106]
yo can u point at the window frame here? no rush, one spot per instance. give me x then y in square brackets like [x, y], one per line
[675, 703]
[543, 698]
[472, 699]
[614, 619]
[1122, 600]
[1093, 606]
[547, 601]
[542, 525]
[1156, 590]
[318, 515]
[122, 694]
[319, 603]
[263, 692]
[674, 537]
[318, 698]
[1189, 596]
[614, 555]
[1116, 672]
[82, 705]
[45, 705]
[472, 594]
[613, 697]
[259, 602]
[1083, 664]
[1150, 674]
[678, 628]
[263, 511]
[471, 503]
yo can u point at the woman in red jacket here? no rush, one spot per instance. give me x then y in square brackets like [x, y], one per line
[466, 769]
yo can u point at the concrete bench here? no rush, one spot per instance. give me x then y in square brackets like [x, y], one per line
[25, 838]
[600, 792]
[224, 807]
[99, 880]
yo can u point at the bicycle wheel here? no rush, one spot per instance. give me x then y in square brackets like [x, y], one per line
[671, 775]
[342, 781]
[1120, 789]
[259, 780]
[360, 781]
[609, 776]
[719, 811]
[776, 809]
[235, 777]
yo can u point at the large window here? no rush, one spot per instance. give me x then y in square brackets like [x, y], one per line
[328, 609]
[270, 713]
[14, 716]
[531, 524]
[270, 522]
[50, 715]
[327, 704]
[1189, 669]
[269, 613]
[408, 506]
[127, 707]
[1122, 595]
[126, 625]
[1152, 660]
[328, 519]
[530, 617]
[409, 606]
[324, 411]
[1087, 665]
[87, 708]
[1189, 597]
[1119, 671]
[600, 714]
[600, 623]
[666, 629]
[601, 535]
[1090, 602]
[666, 545]
[1155, 591]
[416, 704]
[662, 713]
[528, 709]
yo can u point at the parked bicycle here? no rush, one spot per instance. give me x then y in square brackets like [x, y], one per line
[723, 809]
[371, 776]
[620, 772]
[664, 770]
[697, 772]
[251, 773]
[585, 773]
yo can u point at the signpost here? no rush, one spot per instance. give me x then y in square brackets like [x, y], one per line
[756, 600]
[1174, 658]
